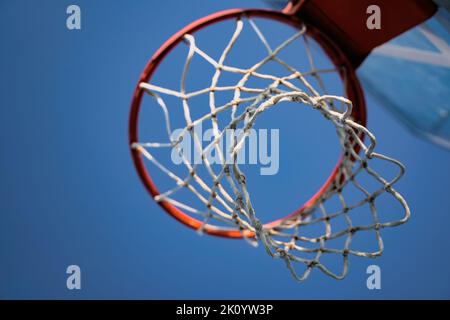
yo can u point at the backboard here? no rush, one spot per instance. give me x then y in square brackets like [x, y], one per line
[416, 58]
[419, 59]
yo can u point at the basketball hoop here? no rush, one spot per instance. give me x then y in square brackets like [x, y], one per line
[233, 211]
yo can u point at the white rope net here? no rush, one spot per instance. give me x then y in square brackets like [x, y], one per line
[223, 192]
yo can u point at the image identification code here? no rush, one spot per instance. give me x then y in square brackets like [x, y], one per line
[231, 309]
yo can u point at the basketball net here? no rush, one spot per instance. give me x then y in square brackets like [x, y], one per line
[285, 239]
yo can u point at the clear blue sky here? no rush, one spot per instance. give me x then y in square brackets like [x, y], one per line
[70, 194]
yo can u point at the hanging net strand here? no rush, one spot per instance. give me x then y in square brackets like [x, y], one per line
[222, 193]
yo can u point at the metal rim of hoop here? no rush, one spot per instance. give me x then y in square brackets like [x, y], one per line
[334, 53]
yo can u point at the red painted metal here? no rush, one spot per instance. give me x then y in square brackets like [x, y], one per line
[345, 21]
[334, 52]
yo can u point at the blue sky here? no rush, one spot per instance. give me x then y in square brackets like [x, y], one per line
[70, 193]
